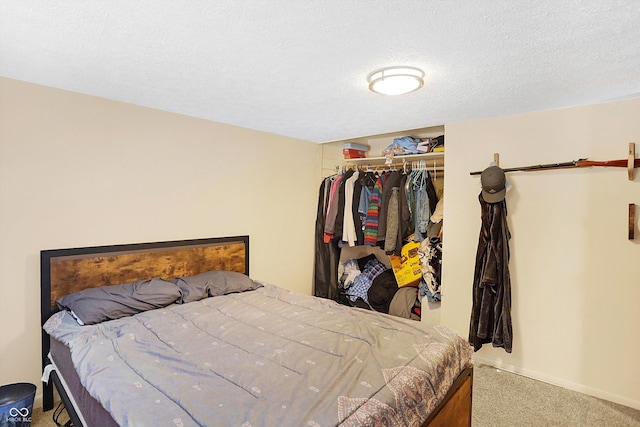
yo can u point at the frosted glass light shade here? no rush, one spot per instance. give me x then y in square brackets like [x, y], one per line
[396, 80]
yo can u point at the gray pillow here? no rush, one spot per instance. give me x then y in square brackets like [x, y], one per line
[192, 288]
[213, 283]
[95, 305]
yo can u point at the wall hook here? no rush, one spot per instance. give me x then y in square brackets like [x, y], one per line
[632, 160]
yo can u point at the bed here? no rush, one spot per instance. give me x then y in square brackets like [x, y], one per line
[247, 353]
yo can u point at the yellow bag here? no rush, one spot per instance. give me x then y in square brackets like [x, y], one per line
[407, 267]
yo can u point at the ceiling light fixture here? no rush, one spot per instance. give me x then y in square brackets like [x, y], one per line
[396, 80]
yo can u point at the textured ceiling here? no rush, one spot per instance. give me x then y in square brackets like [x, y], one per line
[298, 67]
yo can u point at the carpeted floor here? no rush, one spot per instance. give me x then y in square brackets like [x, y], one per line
[40, 419]
[503, 399]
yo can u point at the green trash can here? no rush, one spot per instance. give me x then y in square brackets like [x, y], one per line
[16, 404]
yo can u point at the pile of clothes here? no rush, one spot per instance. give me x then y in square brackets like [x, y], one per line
[368, 283]
[410, 145]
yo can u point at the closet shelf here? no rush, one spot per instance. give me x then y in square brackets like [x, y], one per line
[438, 157]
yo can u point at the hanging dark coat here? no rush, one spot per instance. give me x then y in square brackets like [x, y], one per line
[491, 312]
[327, 255]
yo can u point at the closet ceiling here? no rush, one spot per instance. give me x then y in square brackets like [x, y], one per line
[298, 67]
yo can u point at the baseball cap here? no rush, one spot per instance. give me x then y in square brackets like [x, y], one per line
[493, 184]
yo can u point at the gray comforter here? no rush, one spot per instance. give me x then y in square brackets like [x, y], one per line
[268, 357]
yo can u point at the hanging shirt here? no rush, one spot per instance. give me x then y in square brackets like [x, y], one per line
[392, 181]
[348, 224]
[340, 213]
[371, 222]
[332, 211]
[367, 182]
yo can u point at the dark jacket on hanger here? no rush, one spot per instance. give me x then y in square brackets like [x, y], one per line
[357, 221]
[491, 312]
[340, 200]
[393, 180]
[398, 217]
[432, 194]
[327, 255]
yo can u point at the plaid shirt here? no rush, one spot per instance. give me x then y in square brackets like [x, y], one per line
[364, 280]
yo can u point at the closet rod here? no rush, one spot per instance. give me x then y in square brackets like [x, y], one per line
[427, 165]
[391, 166]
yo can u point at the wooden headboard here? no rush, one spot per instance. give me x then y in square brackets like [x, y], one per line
[65, 271]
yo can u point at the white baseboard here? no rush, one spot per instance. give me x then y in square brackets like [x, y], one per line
[581, 388]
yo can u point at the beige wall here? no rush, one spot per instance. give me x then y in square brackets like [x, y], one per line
[575, 274]
[77, 170]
